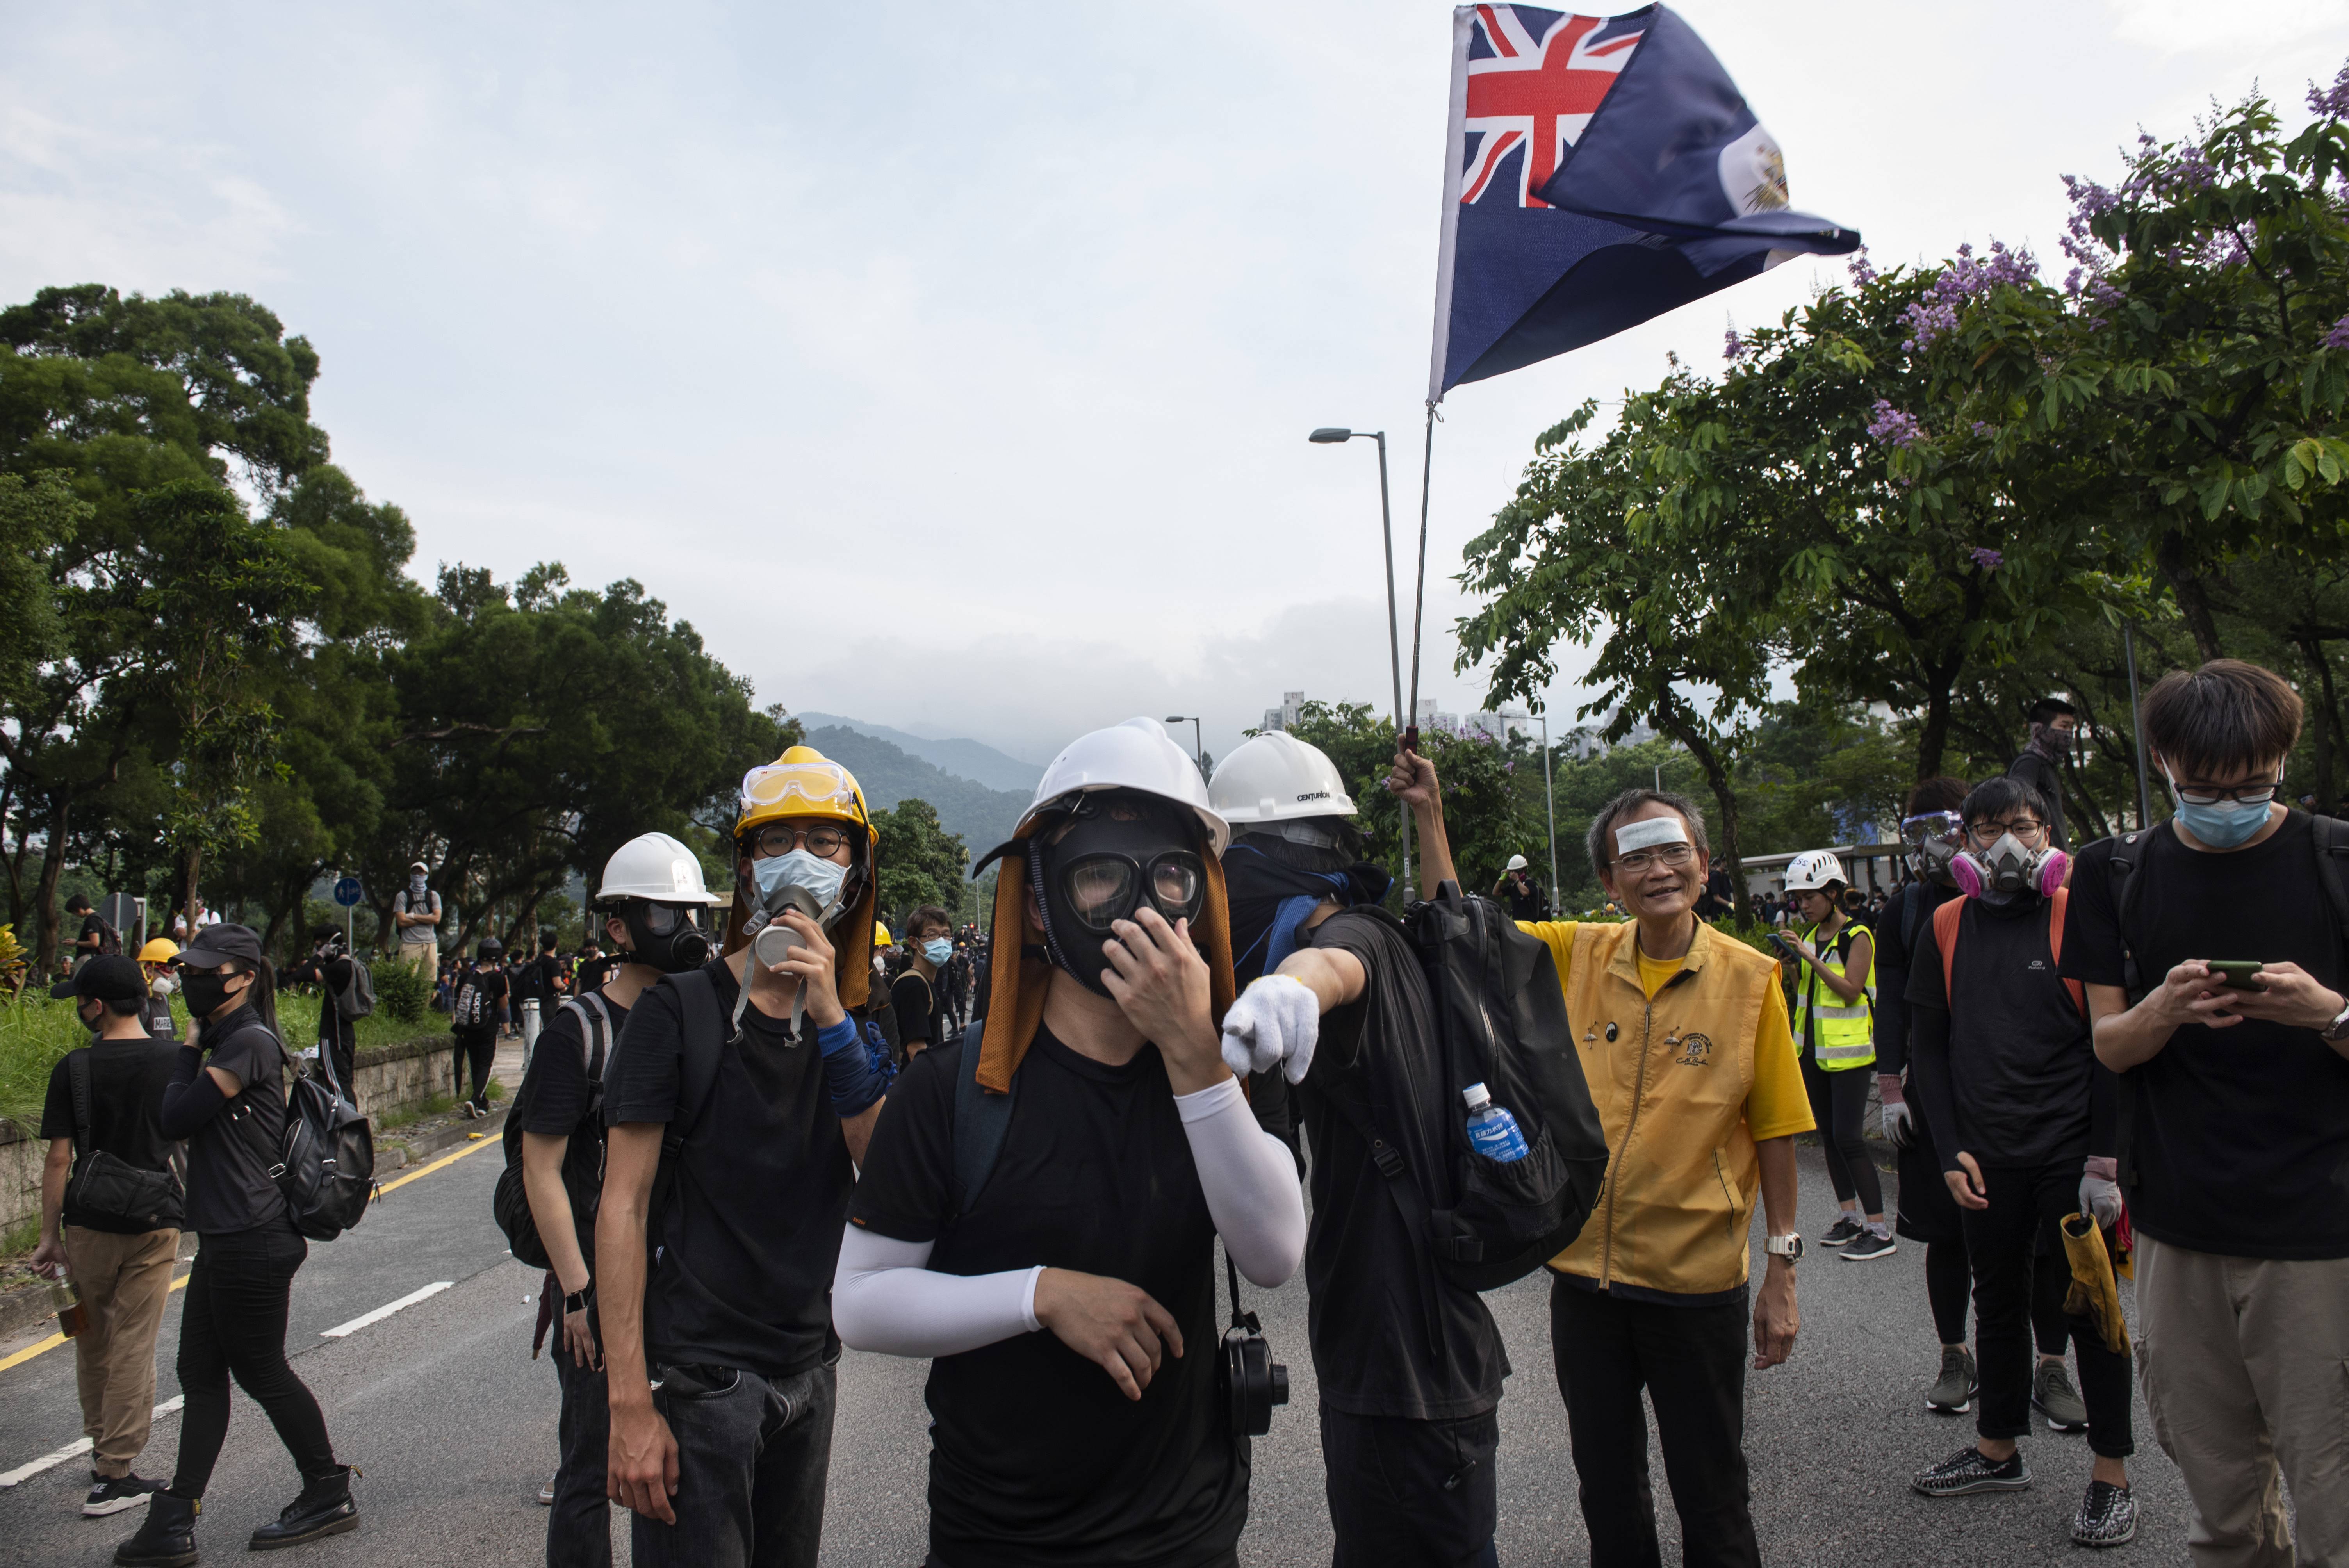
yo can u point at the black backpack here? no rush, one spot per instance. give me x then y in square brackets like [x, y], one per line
[470, 1007]
[326, 1170]
[355, 1000]
[583, 1167]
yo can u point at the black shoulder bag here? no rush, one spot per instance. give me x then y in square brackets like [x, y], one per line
[106, 1187]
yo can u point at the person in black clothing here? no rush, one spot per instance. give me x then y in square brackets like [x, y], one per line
[329, 967]
[595, 967]
[2055, 728]
[227, 1098]
[473, 1014]
[96, 937]
[1518, 889]
[917, 994]
[155, 960]
[2022, 1113]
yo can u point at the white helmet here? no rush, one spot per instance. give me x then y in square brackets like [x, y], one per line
[1275, 776]
[1517, 863]
[1813, 869]
[654, 866]
[1135, 755]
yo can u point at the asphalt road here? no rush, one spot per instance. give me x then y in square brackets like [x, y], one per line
[454, 1425]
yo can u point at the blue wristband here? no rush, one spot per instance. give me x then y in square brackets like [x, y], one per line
[834, 1039]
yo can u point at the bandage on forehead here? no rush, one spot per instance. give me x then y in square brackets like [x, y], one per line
[1648, 834]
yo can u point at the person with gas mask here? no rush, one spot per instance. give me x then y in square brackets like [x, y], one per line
[2021, 1112]
[155, 960]
[1040, 1208]
[736, 1105]
[918, 996]
[2054, 730]
[1832, 964]
[1409, 1365]
[655, 911]
[227, 1100]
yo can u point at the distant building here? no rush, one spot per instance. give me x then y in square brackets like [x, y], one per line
[1285, 716]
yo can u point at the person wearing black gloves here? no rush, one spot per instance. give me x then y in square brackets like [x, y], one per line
[329, 967]
[655, 911]
[729, 1149]
[2022, 1113]
[227, 1098]
[1126, 1149]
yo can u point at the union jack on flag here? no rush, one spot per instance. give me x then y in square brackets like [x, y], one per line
[1602, 171]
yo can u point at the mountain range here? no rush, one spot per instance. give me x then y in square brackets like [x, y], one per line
[965, 759]
[889, 774]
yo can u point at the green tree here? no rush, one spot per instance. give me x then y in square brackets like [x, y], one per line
[921, 863]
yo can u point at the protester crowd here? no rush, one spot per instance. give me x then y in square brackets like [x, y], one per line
[1014, 1150]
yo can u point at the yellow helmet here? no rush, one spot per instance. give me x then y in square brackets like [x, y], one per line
[801, 782]
[160, 950]
[881, 935]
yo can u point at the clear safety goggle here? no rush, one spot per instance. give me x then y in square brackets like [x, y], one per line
[1932, 827]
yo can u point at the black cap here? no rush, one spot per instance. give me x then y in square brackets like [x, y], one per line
[111, 978]
[213, 943]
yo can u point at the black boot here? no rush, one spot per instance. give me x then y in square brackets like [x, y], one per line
[167, 1536]
[325, 1508]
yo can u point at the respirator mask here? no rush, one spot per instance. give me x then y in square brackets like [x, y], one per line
[1118, 851]
[668, 936]
[2007, 869]
[1934, 839]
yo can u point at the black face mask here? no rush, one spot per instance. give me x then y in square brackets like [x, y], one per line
[1099, 872]
[668, 936]
[205, 990]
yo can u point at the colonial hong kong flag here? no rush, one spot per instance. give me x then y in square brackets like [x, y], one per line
[1603, 170]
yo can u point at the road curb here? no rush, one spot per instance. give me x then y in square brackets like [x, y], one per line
[398, 1153]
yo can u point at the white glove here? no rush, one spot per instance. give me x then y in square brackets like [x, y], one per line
[1899, 1123]
[2100, 1191]
[1276, 1022]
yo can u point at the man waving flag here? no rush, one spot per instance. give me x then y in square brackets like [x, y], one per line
[1603, 170]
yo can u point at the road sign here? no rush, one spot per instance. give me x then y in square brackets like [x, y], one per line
[347, 891]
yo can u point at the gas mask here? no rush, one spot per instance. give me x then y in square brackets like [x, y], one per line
[668, 936]
[1100, 870]
[2007, 869]
[1934, 839]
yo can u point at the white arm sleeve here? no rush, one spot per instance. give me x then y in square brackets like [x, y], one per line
[885, 1297]
[1250, 1180]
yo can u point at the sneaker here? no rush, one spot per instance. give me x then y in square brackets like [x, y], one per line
[465, 1110]
[2107, 1516]
[1967, 1471]
[2052, 1395]
[1953, 1393]
[1843, 1232]
[1870, 1245]
[546, 1493]
[115, 1493]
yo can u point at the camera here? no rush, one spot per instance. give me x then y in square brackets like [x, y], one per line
[1252, 1381]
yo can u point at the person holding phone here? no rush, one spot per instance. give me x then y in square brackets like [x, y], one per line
[2234, 1096]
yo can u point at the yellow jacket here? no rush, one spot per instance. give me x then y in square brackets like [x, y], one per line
[1688, 1083]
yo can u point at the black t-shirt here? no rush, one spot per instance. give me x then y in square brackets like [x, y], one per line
[557, 1092]
[1367, 1309]
[229, 1158]
[489, 980]
[915, 1002]
[1525, 899]
[1913, 904]
[2022, 1071]
[93, 927]
[2042, 775]
[753, 1227]
[1036, 1456]
[158, 1018]
[2241, 1136]
[335, 979]
[593, 972]
[126, 1106]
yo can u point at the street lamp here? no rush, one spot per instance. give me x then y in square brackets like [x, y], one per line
[1336, 434]
[1548, 797]
[1198, 748]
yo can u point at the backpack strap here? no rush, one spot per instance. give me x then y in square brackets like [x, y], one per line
[1912, 915]
[1945, 938]
[595, 1031]
[2122, 879]
[77, 1080]
[982, 1119]
[702, 1024]
[2057, 902]
[2330, 837]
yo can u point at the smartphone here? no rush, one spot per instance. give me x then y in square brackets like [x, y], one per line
[2238, 973]
[1779, 941]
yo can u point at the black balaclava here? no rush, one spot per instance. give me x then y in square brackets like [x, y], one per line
[1160, 851]
[680, 945]
[1275, 881]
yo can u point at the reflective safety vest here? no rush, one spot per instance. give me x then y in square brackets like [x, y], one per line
[1841, 1036]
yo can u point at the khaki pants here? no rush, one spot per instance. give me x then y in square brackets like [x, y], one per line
[2246, 1369]
[424, 957]
[123, 1281]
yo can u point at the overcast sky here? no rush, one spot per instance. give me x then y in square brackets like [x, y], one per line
[950, 365]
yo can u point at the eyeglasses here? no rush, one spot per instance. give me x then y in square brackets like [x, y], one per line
[2248, 794]
[824, 841]
[1639, 860]
[1104, 889]
[1988, 834]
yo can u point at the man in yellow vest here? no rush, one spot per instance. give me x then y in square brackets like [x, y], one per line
[1691, 1061]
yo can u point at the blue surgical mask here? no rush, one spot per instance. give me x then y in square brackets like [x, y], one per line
[938, 950]
[821, 878]
[2222, 824]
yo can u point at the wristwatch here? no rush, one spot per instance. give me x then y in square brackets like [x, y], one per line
[576, 1301]
[1787, 1247]
[2337, 1030]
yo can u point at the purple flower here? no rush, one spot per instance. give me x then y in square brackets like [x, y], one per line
[2331, 103]
[1735, 348]
[1988, 559]
[2339, 337]
[1862, 273]
[1984, 430]
[1965, 279]
[1894, 428]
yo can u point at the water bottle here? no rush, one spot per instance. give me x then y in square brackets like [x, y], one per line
[1492, 1131]
[65, 1298]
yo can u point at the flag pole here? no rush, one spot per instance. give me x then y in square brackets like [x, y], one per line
[1419, 589]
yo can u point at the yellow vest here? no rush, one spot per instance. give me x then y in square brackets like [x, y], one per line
[1671, 1088]
[1840, 1035]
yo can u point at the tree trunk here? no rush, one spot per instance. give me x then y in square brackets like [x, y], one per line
[2327, 721]
[2193, 600]
[190, 868]
[1724, 798]
[45, 896]
[1933, 735]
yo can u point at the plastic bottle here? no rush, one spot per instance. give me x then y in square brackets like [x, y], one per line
[1492, 1131]
[66, 1297]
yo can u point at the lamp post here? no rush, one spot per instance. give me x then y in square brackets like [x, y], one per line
[1548, 799]
[1337, 435]
[1198, 746]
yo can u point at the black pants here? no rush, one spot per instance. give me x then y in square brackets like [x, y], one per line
[234, 1325]
[751, 1458]
[1949, 1286]
[579, 1526]
[1839, 1105]
[2009, 1243]
[1692, 1362]
[480, 1046]
[1412, 1493]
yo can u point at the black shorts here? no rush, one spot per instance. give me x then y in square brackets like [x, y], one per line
[1927, 1212]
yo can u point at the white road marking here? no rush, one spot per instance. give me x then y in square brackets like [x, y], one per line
[81, 1446]
[344, 1330]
